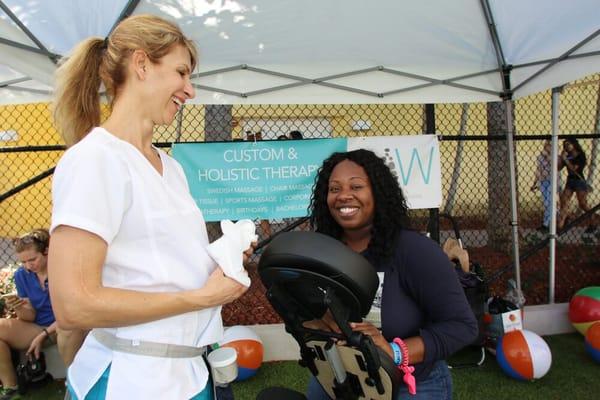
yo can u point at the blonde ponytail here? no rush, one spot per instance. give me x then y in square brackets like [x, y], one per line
[76, 105]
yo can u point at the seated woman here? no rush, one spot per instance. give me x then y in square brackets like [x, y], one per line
[35, 321]
[425, 316]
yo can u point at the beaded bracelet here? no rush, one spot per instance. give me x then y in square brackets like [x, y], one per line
[408, 378]
[397, 353]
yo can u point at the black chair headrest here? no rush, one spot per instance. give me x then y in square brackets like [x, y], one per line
[305, 264]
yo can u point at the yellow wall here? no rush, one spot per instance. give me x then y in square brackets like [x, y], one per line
[31, 207]
[387, 119]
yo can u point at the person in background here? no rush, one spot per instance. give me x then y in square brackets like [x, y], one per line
[254, 136]
[128, 257]
[425, 316]
[543, 182]
[573, 158]
[296, 135]
[34, 324]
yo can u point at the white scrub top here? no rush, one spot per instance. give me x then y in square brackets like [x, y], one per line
[156, 239]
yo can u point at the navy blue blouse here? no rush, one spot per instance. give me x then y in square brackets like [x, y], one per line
[423, 297]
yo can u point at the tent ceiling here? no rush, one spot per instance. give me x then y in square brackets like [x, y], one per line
[336, 51]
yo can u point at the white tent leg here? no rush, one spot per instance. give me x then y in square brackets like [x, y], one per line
[513, 191]
[553, 186]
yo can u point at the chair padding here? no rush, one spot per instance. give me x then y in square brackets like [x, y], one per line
[305, 263]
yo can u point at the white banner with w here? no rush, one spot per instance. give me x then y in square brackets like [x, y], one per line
[415, 160]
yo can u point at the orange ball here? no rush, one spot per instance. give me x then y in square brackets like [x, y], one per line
[592, 341]
[249, 349]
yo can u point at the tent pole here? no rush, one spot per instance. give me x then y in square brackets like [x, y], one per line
[27, 32]
[558, 59]
[126, 12]
[458, 159]
[506, 96]
[434, 213]
[513, 190]
[553, 186]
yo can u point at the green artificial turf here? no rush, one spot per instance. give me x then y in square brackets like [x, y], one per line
[54, 390]
[573, 375]
[287, 374]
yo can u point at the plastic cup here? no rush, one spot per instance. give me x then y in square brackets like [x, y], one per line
[223, 365]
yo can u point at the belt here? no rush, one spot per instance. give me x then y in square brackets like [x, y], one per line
[144, 348]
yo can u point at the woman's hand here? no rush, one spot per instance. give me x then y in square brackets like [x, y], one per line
[326, 323]
[36, 345]
[14, 302]
[367, 328]
[248, 252]
[220, 289]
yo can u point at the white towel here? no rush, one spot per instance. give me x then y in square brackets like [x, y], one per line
[227, 251]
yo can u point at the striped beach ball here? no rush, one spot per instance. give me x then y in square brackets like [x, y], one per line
[523, 355]
[249, 349]
[592, 341]
[584, 308]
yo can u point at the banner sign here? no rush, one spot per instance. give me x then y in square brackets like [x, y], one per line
[274, 179]
[415, 160]
[264, 179]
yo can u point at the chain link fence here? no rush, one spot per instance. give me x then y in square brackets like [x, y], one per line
[474, 163]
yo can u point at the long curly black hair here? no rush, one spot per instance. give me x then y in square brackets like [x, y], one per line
[577, 146]
[391, 212]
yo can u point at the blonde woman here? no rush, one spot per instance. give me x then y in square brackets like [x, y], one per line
[128, 244]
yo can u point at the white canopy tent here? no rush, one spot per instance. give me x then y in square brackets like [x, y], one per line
[332, 51]
[336, 51]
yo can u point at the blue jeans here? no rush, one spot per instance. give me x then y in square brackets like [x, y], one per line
[437, 386]
[547, 200]
[98, 391]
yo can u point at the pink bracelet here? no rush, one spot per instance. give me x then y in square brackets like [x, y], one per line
[408, 378]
